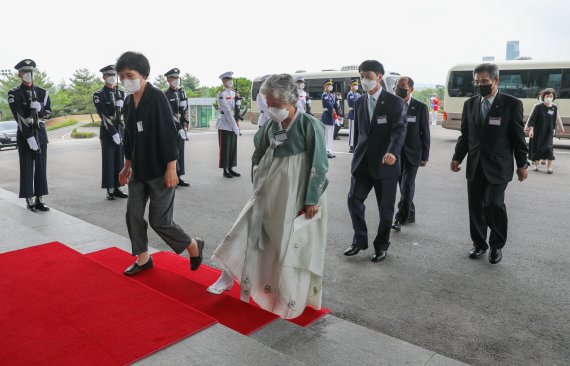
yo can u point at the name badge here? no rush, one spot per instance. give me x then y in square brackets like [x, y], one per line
[411, 119]
[280, 136]
[494, 121]
[550, 112]
[381, 120]
[140, 126]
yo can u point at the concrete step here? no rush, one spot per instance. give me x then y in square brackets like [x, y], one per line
[334, 341]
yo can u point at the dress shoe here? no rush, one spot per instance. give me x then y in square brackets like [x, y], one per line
[118, 193]
[411, 219]
[40, 206]
[135, 268]
[30, 206]
[476, 253]
[227, 174]
[336, 138]
[110, 195]
[182, 183]
[495, 256]
[330, 156]
[397, 226]
[379, 256]
[218, 289]
[351, 250]
[351, 150]
[235, 174]
[196, 261]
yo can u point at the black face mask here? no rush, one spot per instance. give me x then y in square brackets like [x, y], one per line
[485, 90]
[402, 93]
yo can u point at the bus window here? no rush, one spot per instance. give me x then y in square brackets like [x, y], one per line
[514, 82]
[540, 79]
[565, 85]
[461, 84]
[315, 88]
[255, 89]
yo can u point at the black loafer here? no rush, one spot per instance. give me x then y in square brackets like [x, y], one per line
[397, 226]
[40, 206]
[196, 261]
[495, 256]
[135, 268]
[235, 174]
[110, 196]
[411, 220]
[31, 207]
[351, 250]
[228, 174]
[182, 183]
[379, 256]
[118, 193]
[476, 253]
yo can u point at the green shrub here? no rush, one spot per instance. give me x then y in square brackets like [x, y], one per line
[81, 135]
[93, 124]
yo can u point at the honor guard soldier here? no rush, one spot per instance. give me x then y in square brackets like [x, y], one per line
[109, 103]
[179, 105]
[304, 102]
[31, 106]
[351, 98]
[262, 104]
[228, 129]
[328, 100]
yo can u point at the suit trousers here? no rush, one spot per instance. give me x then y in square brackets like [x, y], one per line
[406, 207]
[112, 162]
[228, 149]
[351, 133]
[160, 215]
[361, 184]
[180, 171]
[329, 133]
[487, 210]
[33, 171]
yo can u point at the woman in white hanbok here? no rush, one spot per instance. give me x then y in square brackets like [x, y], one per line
[276, 247]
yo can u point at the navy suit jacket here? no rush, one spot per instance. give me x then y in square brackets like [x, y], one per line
[417, 142]
[376, 136]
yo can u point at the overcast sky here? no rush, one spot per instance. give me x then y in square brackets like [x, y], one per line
[206, 38]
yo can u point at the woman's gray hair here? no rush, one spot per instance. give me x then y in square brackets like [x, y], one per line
[281, 87]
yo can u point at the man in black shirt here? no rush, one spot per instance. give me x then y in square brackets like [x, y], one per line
[151, 152]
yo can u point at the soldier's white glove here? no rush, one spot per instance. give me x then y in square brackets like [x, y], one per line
[33, 143]
[117, 138]
[238, 103]
[36, 105]
[182, 133]
[183, 103]
[119, 103]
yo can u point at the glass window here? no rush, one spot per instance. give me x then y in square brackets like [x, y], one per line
[514, 82]
[565, 84]
[541, 79]
[460, 84]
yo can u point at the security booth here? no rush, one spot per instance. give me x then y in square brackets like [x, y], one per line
[201, 111]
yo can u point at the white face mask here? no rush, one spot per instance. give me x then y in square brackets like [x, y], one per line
[301, 86]
[330, 88]
[548, 100]
[131, 86]
[175, 83]
[112, 80]
[228, 84]
[367, 84]
[27, 77]
[278, 114]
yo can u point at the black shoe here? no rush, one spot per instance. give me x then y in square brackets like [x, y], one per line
[227, 174]
[110, 195]
[495, 256]
[330, 156]
[30, 206]
[379, 256]
[351, 250]
[476, 253]
[336, 138]
[235, 174]
[411, 219]
[40, 206]
[182, 183]
[118, 193]
[397, 226]
[135, 268]
[196, 261]
[351, 150]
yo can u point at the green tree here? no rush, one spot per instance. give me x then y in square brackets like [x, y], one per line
[160, 82]
[243, 86]
[83, 85]
[190, 82]
[11, 81]
[423, 95]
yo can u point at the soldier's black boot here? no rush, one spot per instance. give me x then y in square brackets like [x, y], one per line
[39, 205]
[30, 204]
[227, 174]
[110, 194]
[235, 174]
[118, 193]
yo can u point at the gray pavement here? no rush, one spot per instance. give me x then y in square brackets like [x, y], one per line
[427, 293]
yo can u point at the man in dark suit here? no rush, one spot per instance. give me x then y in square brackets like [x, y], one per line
[492, 132]
[380, 129]
[415, 152]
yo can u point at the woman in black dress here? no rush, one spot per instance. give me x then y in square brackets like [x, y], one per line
[543, 120]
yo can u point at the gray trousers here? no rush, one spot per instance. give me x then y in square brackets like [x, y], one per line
[159, 215]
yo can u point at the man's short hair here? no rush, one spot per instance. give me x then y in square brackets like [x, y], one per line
[408, 79]
[491, 69]
[134, 61]
[371, 65]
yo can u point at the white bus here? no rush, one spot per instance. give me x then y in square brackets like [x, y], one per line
[523, 79]
[314, 86]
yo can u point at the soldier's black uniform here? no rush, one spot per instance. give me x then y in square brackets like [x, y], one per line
[31, 137]
[179, 105]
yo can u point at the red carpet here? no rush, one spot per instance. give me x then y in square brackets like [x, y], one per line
[59, 308]
[228, 310]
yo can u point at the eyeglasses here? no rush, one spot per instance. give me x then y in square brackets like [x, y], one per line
[482, 82]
